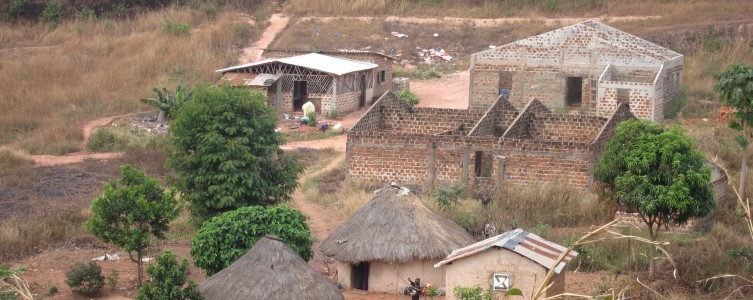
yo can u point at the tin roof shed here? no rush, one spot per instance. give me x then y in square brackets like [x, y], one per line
[322, 63]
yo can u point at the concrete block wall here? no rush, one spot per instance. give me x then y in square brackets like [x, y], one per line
[561, 127]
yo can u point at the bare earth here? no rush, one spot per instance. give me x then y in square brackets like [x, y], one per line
[252, 53]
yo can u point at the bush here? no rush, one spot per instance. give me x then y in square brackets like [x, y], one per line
[333, 114]
[408, 97]
[226, 237]
[85, 279]
[176, 28]
[52, 13]
[15, 9]
[168, 280]
[312, 119]
[449, 195]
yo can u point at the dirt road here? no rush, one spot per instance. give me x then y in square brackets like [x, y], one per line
[482, 22]
[252, 53]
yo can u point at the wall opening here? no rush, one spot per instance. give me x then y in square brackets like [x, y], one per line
[574, 91]
[623, 96]
[362, 98]
[300, 93]
[483, 164]
[360, 276]
[505, 84]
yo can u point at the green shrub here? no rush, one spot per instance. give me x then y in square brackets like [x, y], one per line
[87, 14]
[408, 97]
[52, 13]
[85, 279]
[176, 28]
[168, 280]
[449, 195]
[112, 279]
[226, 237]
[312, 119]
[15, 9]
[333, 114]
[52, 290]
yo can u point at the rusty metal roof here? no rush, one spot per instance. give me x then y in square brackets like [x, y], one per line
[323, 63]
[531, 246]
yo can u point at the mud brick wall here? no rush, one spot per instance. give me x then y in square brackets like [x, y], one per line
[607, 130]
[427, 120]
[641, 99]
[528, 167]
[524, 122]
[561, 127]
[388, 157]
[346, 103]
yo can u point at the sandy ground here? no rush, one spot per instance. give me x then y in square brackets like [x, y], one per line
[483, 22]
[252, 53]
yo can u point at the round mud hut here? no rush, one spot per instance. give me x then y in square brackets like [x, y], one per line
[270, 270]
[392, 237]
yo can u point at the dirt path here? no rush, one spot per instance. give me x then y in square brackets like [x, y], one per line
[252, 53]
[482, 22]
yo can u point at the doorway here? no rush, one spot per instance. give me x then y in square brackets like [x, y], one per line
[360, 276]
[574, 91]
[483, 164]
[300, 95]
[362, 99]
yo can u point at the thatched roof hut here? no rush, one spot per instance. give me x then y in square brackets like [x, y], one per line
[397, 231]
[270, 270]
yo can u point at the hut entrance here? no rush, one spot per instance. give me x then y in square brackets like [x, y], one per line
[574, 91]
[361, 276]
[300, 94]
[362, 99]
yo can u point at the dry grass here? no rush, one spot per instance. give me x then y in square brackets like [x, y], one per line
[21, 236]
[86, 69]
[15, 167]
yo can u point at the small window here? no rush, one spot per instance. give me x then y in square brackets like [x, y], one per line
[382, 76]
[623, 96]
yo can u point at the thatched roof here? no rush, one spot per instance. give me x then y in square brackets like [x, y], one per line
[395, 228]
[270, 270]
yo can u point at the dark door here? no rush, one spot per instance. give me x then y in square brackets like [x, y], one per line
[574, 91]
[362, 100]
[299, 95]
[361, 276]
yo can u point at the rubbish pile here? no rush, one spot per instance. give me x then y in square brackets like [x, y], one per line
[433, 55]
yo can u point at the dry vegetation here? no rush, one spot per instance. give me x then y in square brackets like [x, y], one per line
[83, 69]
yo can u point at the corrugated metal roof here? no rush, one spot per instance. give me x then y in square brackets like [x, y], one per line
[531, 246]
[335, 52]
[323, 63]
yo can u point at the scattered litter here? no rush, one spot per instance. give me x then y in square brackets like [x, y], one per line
[337, 127]
[277, 129]
[317, 31]
[705, 119]
[147, 259]
[308, 108]
[287, 116]
[107, 257]
[436, 34]
[492, 46]
[324, 127]
[398, 35]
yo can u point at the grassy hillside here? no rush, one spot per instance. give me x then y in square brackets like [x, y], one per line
[54, 80]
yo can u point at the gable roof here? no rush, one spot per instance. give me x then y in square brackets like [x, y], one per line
[315, 61]
[394, 227]
[270, 270]
[527, 244]
[589, 34]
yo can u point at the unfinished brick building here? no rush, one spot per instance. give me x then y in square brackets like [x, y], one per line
[587, 66]
[488, 147]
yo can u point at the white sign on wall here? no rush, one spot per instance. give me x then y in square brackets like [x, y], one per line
[502, 281]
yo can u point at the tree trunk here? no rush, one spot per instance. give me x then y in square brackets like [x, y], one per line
[140, 267]
[652, 252]
[743, 168]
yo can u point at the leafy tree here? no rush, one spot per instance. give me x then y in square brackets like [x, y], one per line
[169, 281]
[227, 152]
[52, 13]
[656, 172]
[85, 279]
[735, 87]
[132, 208]
[226, 237]
[168, 102]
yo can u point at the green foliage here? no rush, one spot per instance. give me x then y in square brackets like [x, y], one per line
[473, 293]
[132, 208]
[52, 290]
[334, 114]
[735, 87]
[112, 279]
[52, 13]
[169, 102]
[176, 28]
[85, 279]
[542, 229]
[169, 281]
[449, 195]
[15, 9]
[227, 152]
[408, 97]
[226, 237]
[551, 5]
[312, 119]
[121, 138]
[87, 14]
[656, 172]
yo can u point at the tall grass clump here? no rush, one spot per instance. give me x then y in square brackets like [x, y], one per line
[101, 68]
[15, 167]
[21, 236]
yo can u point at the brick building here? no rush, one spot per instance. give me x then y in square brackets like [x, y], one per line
[382, 79]
[587, 66]
[330, 83]
[488, 147]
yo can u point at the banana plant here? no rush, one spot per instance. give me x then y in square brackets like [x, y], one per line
[168, 102]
